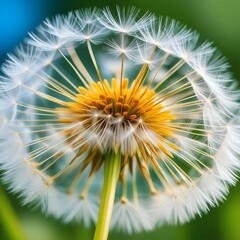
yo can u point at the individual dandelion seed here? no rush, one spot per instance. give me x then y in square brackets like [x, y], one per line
[116, 114]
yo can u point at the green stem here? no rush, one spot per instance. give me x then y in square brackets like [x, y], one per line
[8, 219]
[111, 175]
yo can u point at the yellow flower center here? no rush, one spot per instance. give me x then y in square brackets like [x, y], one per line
[116, 107]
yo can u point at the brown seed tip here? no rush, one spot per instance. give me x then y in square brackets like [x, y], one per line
[123, 200]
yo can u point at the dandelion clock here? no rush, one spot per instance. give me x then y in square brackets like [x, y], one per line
[122, 120]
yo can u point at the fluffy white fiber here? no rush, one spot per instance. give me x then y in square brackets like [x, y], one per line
[41, 156]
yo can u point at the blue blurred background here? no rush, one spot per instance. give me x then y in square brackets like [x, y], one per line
[215, 20]
[16, 19]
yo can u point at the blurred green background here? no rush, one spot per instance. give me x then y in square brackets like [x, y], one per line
[215, 20]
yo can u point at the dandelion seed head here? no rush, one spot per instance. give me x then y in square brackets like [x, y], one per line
[97, 82]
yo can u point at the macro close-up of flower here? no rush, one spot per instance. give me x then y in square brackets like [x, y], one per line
[119, 119]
